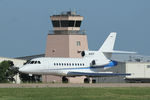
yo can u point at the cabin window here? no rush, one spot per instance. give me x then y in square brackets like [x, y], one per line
[59, 64]
[39, 62]
[62, 64]
[54, 64]
[72, 64]
[75, 64]
[67, 64]
[83, 64]
[78, 64]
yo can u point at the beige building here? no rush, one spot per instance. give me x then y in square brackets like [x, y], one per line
[66, 40]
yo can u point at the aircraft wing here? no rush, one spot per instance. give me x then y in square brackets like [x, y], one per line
[97, 74]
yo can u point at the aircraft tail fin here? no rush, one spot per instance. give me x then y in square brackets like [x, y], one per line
[108, 45]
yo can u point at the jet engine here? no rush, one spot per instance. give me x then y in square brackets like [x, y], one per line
[95, 63]
[98, 63]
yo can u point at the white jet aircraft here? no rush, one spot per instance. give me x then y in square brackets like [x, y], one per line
[93, 63]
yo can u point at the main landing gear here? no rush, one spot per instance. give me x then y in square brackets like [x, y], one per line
[87, 80]
[64, 79]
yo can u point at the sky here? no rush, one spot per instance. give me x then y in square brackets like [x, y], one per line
[24, 24]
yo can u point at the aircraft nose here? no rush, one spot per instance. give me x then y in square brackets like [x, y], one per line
[23, 70]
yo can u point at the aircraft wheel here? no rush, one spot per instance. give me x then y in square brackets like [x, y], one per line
[86, 80]
[64, 79]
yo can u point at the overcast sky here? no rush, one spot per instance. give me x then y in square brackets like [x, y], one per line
[24, 24]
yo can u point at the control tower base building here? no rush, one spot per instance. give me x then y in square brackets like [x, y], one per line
[66, 40]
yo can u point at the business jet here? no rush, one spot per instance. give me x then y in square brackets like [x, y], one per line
[92, 63]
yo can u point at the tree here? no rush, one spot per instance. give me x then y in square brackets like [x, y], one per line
[7, 71]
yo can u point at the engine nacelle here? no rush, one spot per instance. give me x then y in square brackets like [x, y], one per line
[99, 63]
[87, 53]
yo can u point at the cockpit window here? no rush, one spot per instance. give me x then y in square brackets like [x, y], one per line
[31, 62]
[35, 62]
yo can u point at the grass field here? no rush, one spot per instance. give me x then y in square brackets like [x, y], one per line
[133, 93]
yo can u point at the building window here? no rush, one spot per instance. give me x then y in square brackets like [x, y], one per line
[78, 43]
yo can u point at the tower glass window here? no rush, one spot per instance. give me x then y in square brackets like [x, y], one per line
[71, 23]
[66, 23]
[78, 24]
[56, 23]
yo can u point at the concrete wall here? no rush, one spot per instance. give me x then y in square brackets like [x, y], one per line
[57, 46]
[65, 45]
[74, 50]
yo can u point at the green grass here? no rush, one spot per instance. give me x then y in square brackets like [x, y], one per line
[75, 93]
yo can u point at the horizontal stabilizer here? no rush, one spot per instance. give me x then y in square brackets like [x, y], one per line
[96, 74]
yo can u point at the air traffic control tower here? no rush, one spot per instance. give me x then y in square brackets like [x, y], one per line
[66, 39]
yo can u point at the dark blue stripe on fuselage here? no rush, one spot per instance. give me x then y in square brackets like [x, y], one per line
[111, 64]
